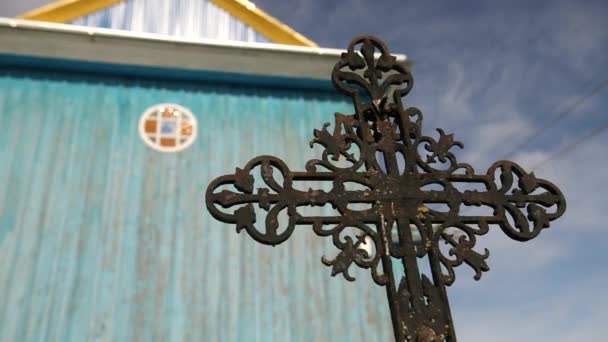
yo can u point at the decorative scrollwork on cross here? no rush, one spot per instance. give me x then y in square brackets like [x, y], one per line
[402, 177]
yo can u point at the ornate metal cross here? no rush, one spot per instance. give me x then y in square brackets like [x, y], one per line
[402, 177]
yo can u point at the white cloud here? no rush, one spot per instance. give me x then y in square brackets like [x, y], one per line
[580, 174]
[573, 34]
[577, 314]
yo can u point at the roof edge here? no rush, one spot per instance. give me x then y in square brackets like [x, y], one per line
[35, 41]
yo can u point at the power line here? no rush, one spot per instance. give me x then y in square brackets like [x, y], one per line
[570, 147]
[573, 145]
[562, 151]
[552, 121]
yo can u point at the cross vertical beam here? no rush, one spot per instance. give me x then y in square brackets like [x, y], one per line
[398, 192]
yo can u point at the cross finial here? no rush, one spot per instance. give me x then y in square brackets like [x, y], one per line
[413, 187]
[368, 74]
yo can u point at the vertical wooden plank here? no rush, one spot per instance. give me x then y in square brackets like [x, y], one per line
[105, 239]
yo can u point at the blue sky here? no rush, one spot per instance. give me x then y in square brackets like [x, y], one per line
[498, 74]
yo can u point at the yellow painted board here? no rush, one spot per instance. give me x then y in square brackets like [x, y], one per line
[264, 23]
[64, 11]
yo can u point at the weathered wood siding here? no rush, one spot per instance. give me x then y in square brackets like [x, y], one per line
[102, 238]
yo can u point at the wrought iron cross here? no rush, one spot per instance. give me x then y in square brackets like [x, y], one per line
[402, 177]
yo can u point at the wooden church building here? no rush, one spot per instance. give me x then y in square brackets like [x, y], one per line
[115, 117]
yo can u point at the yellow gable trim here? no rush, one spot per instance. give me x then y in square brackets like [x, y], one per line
[262, 22]
[63, 11]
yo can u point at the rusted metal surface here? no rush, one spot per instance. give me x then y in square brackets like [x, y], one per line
[404, 178]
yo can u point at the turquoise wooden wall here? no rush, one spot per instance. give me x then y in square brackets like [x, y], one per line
[104, 239]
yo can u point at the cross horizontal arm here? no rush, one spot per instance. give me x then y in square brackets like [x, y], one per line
[402, 190]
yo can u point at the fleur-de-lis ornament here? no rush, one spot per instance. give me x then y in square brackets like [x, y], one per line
[407, 190]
